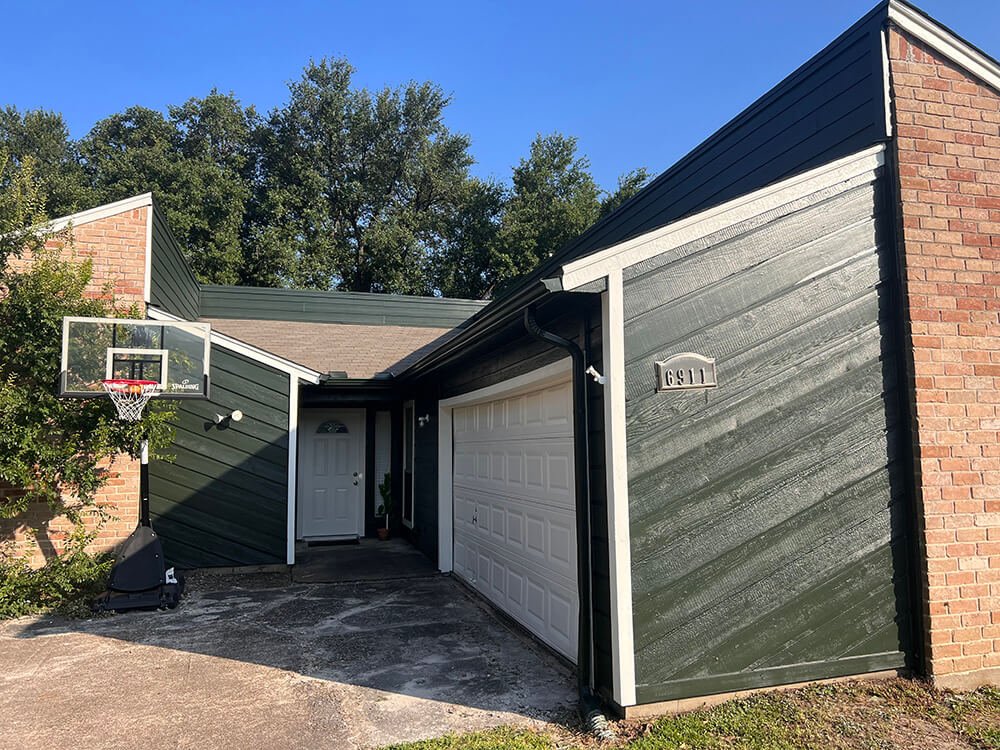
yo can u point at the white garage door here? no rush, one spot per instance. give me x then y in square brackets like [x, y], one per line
[515, 519]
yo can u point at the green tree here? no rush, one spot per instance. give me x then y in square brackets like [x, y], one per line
[465, 265]
[629, 185]
[44, 138]
[359, 188]
[199, 161]
[49, 446]
[554, 199]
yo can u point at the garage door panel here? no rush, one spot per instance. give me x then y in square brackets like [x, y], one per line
[539, 534]
[544, 412]
[540, 471]
[547, 607]
[515, 521]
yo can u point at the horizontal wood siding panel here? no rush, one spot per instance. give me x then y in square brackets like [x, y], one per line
[768, 515]
[223, 500]
[172, 285]
[253, 303]
[425, 479]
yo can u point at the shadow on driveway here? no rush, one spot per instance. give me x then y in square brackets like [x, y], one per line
[305, 665]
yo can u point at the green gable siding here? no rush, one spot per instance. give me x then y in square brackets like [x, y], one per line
[172, 285]
[223, 500]
[769, 516]
[257, 303]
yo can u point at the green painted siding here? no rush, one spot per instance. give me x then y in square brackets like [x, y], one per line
[223, 500]
[425, 480]
[769, 516]
[172, 285]
[255, 303]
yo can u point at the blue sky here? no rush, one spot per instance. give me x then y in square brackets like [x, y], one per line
[639, 83]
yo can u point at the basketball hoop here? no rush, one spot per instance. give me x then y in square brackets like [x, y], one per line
[130, 396]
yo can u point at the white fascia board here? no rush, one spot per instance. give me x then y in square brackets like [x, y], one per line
[147, 282]
[600, 264]
[941, 40]
[248, 350]
[101, 212]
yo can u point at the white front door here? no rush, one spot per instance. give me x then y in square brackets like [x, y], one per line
[331, 480]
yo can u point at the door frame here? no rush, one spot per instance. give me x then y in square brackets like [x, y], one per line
[555, 373]
[308, 420]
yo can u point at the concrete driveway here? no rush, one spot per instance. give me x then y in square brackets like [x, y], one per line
[243, 665]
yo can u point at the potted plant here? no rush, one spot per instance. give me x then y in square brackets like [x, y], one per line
[385, 507]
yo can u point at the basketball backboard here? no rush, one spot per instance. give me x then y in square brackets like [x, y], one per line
[174, 354]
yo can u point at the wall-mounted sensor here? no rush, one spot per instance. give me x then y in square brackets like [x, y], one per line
[236, 416]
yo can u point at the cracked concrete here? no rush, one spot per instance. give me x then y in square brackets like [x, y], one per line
[301, 666]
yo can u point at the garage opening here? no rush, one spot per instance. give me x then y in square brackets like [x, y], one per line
[514, 519]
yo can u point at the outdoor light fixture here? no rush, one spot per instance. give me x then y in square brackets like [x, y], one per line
[234, 416]
[424, 420]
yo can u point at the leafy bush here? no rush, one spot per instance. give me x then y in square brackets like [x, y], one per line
[66, 584]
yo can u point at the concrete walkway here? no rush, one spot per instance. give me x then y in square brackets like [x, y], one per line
[301, 666]
[367, 560]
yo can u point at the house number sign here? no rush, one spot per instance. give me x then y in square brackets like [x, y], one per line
[682, 372]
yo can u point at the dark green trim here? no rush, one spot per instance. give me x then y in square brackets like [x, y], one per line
[725, 683]
[310, 306]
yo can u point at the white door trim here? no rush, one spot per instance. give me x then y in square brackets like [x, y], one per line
[362, 461]
[616, 461]
[293, 463]
[554, 372]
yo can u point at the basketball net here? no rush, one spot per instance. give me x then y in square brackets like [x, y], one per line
[130, 396]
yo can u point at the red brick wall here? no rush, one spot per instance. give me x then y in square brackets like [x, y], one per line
[948, 148]
[116, 245]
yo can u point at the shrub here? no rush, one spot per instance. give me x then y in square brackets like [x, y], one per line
[66, 584]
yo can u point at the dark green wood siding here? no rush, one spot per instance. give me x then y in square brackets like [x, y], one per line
[769, 516]
[254, 303]
[223, 500]
[172, 285]
[425, 480]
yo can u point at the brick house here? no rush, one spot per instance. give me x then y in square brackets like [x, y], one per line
[750, 420]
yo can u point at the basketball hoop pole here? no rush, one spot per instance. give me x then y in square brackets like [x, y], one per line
[144, 483]
[130, 398]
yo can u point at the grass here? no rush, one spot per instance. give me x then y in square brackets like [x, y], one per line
[884, 715]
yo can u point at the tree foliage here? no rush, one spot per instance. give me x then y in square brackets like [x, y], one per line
[43, 138]
[361, 183]
[341, 187]
[49, 446]
[554, 199]
[199, 161]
